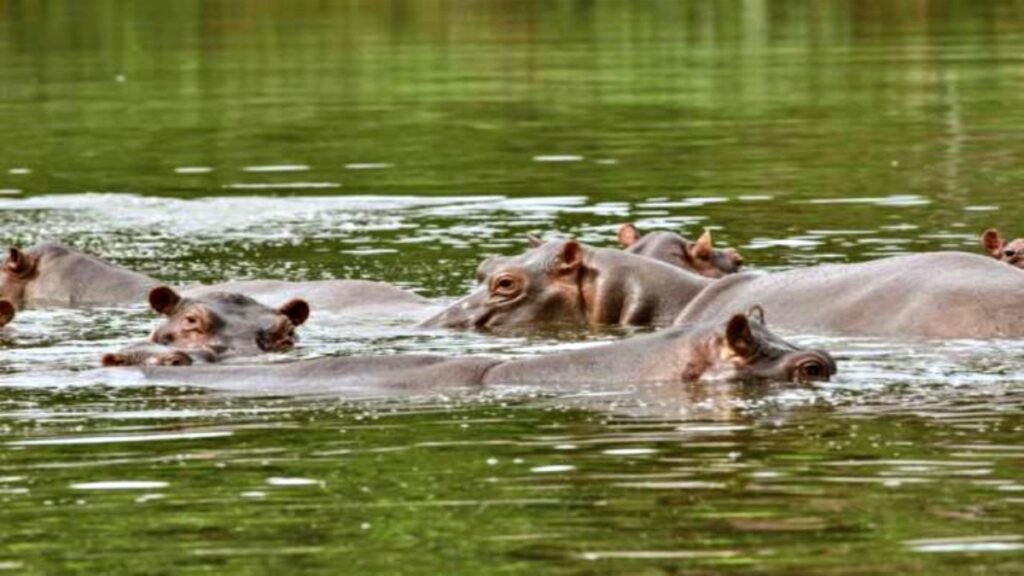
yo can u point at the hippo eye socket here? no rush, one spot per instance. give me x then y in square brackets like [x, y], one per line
[505, 286]
[812, 370]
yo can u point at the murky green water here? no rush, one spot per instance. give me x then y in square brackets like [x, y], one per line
[403, 141]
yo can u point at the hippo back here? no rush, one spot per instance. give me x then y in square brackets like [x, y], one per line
[933, 295]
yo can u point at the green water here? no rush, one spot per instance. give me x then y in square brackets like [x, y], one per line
[404, 141]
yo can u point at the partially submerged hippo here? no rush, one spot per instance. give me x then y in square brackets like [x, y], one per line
[149, 354]
[52, 274]
[933, 295]
[700, 257]
[568, 283]
[1011, 252]
[6, 313]
[225, 322]
[930, 295]
[739, 349]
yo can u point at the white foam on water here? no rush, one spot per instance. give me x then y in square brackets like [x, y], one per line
[277, 168]
[121, 485]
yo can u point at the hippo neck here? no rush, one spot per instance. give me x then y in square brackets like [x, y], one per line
[620, 288]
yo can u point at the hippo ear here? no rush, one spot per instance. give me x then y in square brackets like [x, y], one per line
[296, 310]
[571, 257]
[756, 313]
[534, 241]
[19, 263]
[628, 235]
[111, 359]
[739, 336]
[6, 312]
[992, 241]
[701, 249]
[164, 300]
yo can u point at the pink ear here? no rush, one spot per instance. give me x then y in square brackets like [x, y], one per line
[164, 300]
[19, 263]
[992, 241]
[296, 310]
[534, 241]
[628, 235]
[6, 312]
[702, 247]
[739, 336]
[571, 257]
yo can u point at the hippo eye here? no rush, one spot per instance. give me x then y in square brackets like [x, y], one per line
[505, 286]
[1009, 253]
[192, 323]
[812, 370]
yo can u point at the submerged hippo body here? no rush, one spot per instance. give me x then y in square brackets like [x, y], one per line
[930, 295]
[567, 283]
[52, 274]
[740, 349]
[700, 257]
[324, 295]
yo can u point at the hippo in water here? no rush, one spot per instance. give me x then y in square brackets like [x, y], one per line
[1011, 252]
[7, 312]
[567, 283]
[52, 274]
[932, 295]
[929, 295]
[739, 349]
[700, 257]
[150, 354]
[225, 322]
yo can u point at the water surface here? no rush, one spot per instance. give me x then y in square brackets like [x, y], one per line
[405, 141]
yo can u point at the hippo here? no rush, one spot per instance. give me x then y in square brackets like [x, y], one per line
[700, 257]
[739, 349]
[225, 322]
[150, 354]
[52, 274]
[929, 295]
[563, 282]
[1011, 252]
[7, 312]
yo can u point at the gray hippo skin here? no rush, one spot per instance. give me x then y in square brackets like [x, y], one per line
[51, 274]
[149, 354]
[225, 322]
[740, 349]
[700, 257]
[1011, 252]
[6, 313]
[567, 283]
[931, 295]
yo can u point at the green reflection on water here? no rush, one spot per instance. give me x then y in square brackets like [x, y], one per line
[914, 102]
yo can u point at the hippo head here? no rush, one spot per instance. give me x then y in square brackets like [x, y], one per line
[6, 312]
[149, 354]
[538, 287]
[1011, 252]
[19, 268]
[225, 322]
[700, 257]
[743, 349]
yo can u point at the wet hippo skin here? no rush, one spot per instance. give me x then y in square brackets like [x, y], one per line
[700, 257]
[52, 274]
[568, 283]
[739, 349]
[931, 295]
